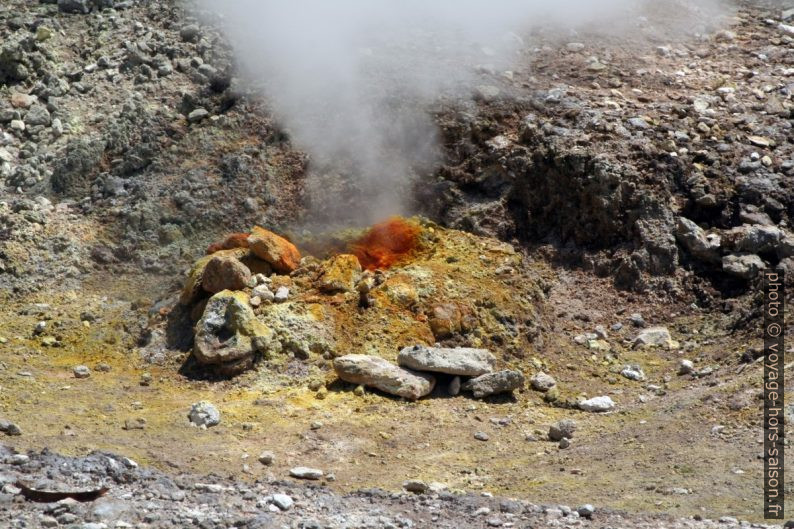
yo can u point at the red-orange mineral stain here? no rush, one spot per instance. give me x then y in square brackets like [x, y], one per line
[386, 243]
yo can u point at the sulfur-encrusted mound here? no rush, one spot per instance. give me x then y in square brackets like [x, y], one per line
[300, 319]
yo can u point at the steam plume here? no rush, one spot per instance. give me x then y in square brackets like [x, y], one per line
[350, 79]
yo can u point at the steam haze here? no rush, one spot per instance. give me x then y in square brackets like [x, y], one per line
[350, 80]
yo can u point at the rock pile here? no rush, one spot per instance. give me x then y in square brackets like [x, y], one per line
[413, 378]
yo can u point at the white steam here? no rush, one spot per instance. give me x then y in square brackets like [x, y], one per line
[351, 79]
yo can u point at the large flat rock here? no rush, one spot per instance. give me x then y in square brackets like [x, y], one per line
[462, 361]
[381, 374]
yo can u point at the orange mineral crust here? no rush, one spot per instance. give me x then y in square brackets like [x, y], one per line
[386, 243]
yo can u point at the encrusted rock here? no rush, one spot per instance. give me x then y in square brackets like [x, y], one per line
[381, 374]
[224, 272]
[448, 319]
[228, 334]
[276, 250]
[340, 274]
[493, 383]
[464, 361]
[633, 372]
[203, 413]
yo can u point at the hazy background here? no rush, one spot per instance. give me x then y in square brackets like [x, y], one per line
[350, 79]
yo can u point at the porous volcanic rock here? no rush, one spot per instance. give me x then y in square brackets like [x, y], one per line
[228, 334]
[383, 375]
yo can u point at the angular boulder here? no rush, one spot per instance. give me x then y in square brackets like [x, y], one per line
[379, 373]
[193, 290]
[340, 274]
[755, 238]
[463, 361]
[228, 335]
[655, 337]
[224, 272]
[494, 383]
[693, 238]
[745, 266]
[542, 382]
[282, 255]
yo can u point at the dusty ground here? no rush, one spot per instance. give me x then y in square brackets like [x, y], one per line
[105, 264]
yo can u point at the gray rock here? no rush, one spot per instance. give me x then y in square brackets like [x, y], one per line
[755, 238]
[74, 6]
[281, 295]
[487, 93]
[263, 293]
[38, 115]
[197, 115]
[745, 266]
[597, 404]
[306, 473]
[542, 382]
[378, 373]
[9, 428]
[463, 361]
[267, 458]
[637, 320]
[19, 459]
[633, 372]
[564, 429]
[685, 367]
[190, 32]
[693, 238]
[416, 486]
[586, 511]
[493, 383]
[204, 413]
[654, 337]
[81, 372]
[282, 501]
[76, 168]
[481, 436]
[638, 123]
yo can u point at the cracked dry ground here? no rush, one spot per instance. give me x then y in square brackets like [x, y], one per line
[103, 268]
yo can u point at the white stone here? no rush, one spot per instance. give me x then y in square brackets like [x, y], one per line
[597, 404]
